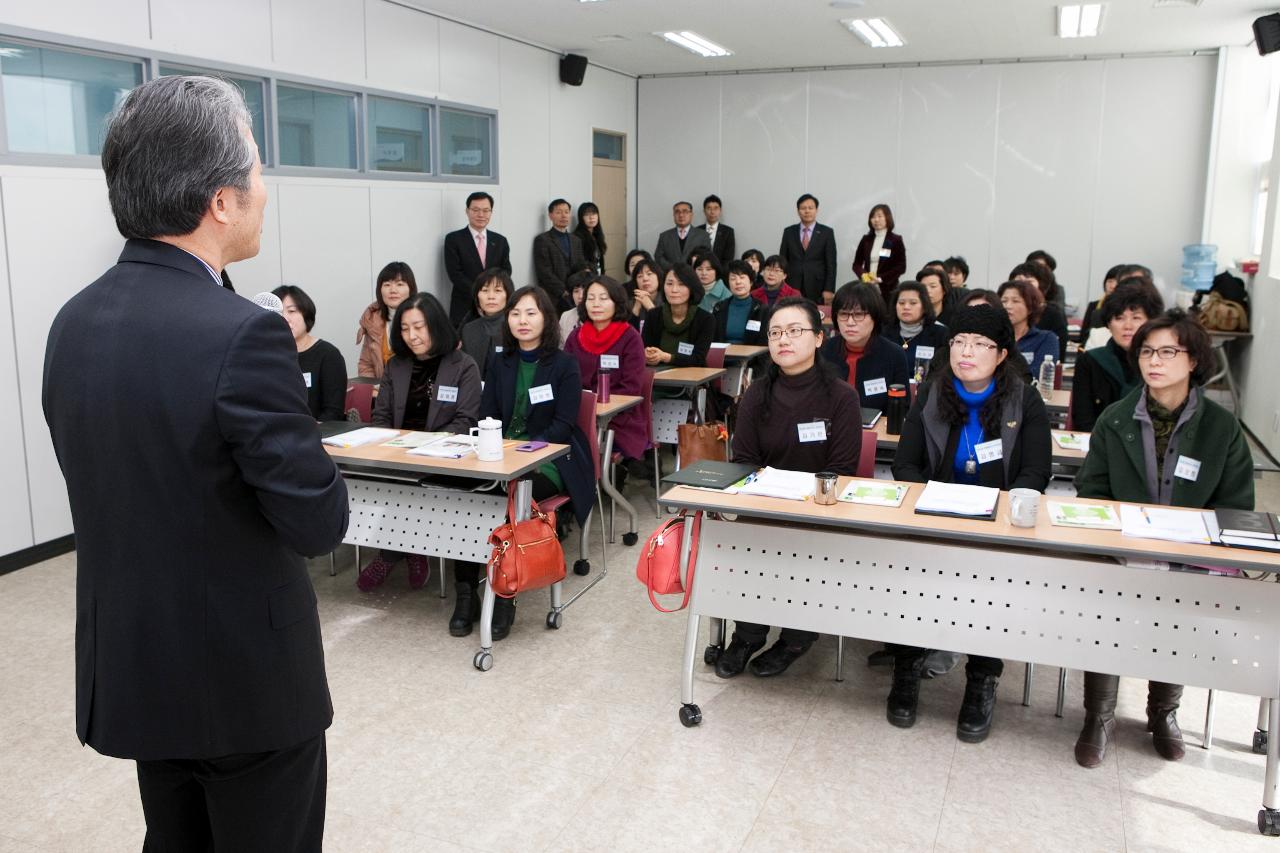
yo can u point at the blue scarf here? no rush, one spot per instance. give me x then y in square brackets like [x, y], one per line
[971, 434]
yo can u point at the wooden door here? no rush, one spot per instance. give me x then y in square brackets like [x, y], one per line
[609, 192]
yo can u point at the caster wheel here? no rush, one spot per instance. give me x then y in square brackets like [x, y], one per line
[582, 567]
[1260, 743]
[483, 661]
[630, 538]
[1269, 822]
[691, 715]
[555, 620]
[711, 655]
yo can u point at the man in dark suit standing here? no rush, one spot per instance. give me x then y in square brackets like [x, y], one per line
[557, 253]
[676, 244]
[197, 483]
[809, 248]
[721, 236]
[470, 251]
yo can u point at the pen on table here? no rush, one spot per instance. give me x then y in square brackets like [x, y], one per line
[1143, 510]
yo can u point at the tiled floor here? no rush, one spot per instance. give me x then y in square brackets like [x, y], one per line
[572, 742]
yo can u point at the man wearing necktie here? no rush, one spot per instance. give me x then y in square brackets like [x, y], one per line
[556, 252]
[677, 244]
[470, 251]
[721, 236]
[809, 248]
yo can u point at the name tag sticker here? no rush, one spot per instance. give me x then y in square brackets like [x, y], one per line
[884, 253]
[498, 348]
[720, 346]
[753, 325]
[685, 349]
[541, 394]
[925, 353]
[1188, 468]
[988, 451]
[306, 377]
[609, 362]
[875, 386]
[1029, 356]
[447, 393]
[815, 431]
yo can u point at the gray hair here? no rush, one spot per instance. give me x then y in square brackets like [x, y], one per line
[171, 145]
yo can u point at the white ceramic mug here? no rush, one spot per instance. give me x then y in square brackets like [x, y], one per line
[1023, 506]
[488, 436]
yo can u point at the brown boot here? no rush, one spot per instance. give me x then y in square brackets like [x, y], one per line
[1099, 718]
[1162, 720]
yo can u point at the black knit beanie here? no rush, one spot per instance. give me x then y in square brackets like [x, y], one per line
[986, 321]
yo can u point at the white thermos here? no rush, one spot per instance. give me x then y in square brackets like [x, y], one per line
[488, 435]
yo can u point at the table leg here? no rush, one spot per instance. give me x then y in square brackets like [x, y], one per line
[1026, 685]
[612, 491]
[702, 403]
[1269, 816]
[690, 714]
[483, 659]
[1062, 691]
[1207, 741]
[1260, 734]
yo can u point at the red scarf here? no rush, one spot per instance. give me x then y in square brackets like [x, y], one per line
[597, 342]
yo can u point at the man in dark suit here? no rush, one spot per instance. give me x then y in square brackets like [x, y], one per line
[470, 251]
[197, 484]
[676, 244]
[720, 235]
[557, 253]
[809, 248]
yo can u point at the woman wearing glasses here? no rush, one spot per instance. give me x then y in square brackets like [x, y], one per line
[977, 422]
[796, 417]
[1165, 443]
[864, 359]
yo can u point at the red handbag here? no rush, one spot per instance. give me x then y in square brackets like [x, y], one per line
[526, 554]
[659, 565]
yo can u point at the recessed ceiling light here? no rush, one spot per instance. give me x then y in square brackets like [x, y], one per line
[611, 36]
[1079, 21]
[877, 32]
[695, 43]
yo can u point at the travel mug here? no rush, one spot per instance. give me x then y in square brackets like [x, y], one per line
[824, 491]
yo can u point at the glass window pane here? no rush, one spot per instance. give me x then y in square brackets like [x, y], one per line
[465, 142]
[606, 146]
[254, 97]
[57, 102]
[316, 128]
[399, 136]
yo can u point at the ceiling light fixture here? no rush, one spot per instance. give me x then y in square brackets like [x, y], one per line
[1079, 21]
[695, 43]
[876, 32]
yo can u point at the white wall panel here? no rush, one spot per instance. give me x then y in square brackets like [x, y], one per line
[469, 72]
[405, 226]
[15, 499]
[233, 31]
[122, 21]
[319, 38]
[524, 151]
[678, 150]
[402, 47]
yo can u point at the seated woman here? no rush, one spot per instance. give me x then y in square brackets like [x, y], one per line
[535, 389]
[739, 319]
[799, 389]
[633, 258]
[1024, 304]
[915, 328]
[861, 356]
[429, 385]
[774, 278]
[982, 296]
[978, 423]
[324, 370]
[755, 260]
[1093, 311]
[1178, 428]
[482, 335]
[1053, 318]
[706, 266]
[676, 333]
[577, 286]
[943, 299]
[605, 341]
[1105, 374]
[645, 289]
[395, 284]
[957, 270]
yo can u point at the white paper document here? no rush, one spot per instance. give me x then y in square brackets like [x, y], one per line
[1072, 441]
[958, 499]
[450, 447]
[360, 437]
[778, 483]
[1170, 525]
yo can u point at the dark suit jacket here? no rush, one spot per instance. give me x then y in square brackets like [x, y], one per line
[725, 244]
[462, 263]
[197, 484]
[554, 421]
[457, 370]
[891, 269]
[811, 271]
[668, 251]
[550, 267]
[880, 360]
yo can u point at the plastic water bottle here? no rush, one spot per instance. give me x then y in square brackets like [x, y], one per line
[1047, 372]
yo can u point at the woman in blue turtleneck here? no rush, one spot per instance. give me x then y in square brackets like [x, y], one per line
[740, 319]
[975, 422]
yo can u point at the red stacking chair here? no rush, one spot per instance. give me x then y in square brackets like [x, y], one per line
[359, 400]
[586, 423]
[867, 456]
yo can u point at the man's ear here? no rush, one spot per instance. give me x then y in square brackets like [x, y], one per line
[220, 206]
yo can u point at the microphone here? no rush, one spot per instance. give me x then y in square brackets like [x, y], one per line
[268, 301]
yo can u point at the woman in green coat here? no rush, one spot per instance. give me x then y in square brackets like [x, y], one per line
[1163, 443]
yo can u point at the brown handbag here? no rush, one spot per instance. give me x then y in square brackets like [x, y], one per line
[702, 441]
[526, 554]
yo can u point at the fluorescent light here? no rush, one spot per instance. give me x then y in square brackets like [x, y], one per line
[876, 32]
[1079, 21]
[695, 43]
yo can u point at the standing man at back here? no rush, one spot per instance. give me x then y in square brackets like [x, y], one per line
[470, 251]
[197, 484]
[556, 252]
[809, 248]
[721, 236]
[675, 245]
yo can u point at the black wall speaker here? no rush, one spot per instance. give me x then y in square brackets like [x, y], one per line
[1266, 32]
[574, 67]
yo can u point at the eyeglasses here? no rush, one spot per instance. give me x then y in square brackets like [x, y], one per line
[852, 316]
[792, 332]
[479, 210]
[1165, 353]
[963, 344]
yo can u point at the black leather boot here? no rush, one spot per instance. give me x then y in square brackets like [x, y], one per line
[504, 615]
[1099, 718]
[776, 660]
[1162, 719]
[464, 609]
[900, 709]
[733, 660]
[978, 708]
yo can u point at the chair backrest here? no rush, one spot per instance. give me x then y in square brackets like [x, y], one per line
[715, 358]
[647, 391]
[360, 398]
[825, 312]
[867, 457]
[587, 423]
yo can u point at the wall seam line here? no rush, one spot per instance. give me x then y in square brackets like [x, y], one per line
[17, 374]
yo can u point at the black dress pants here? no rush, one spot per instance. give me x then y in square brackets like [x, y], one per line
[753, 633]
[266, 801]
[977, 665]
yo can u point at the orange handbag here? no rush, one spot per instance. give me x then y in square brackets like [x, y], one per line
[526, 554]
[659, 565]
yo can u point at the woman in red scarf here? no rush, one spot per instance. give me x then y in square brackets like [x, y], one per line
[606, 341]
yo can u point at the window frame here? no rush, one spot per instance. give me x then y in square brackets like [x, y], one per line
[492, 115]
[357, 112]
[268, 119]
